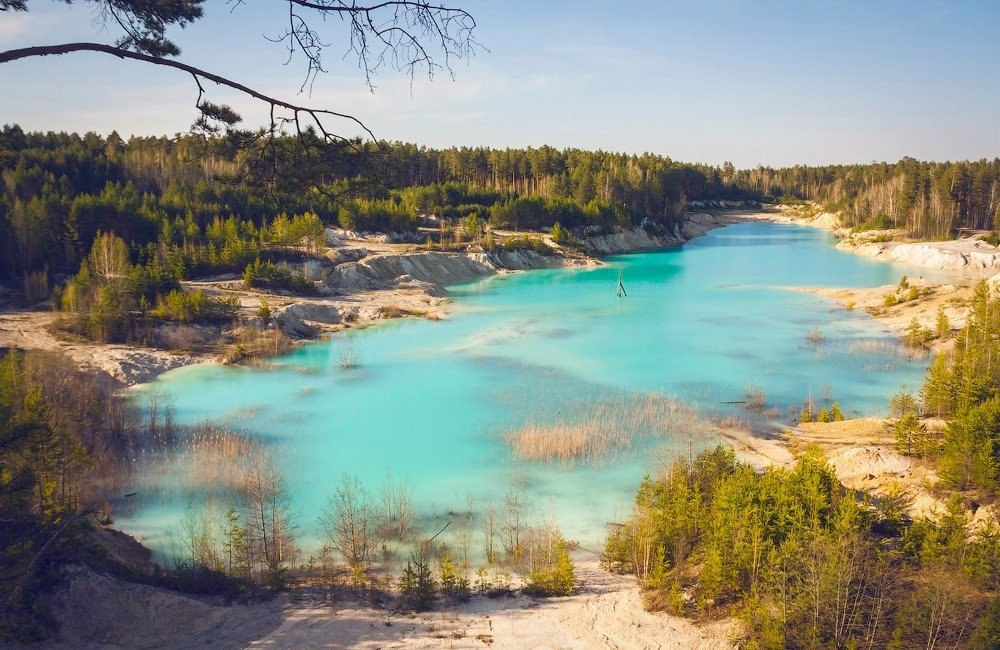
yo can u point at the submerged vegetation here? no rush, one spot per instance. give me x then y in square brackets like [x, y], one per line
[596, 433]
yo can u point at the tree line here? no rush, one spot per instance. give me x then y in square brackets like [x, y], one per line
[59, 190]
[929, 200]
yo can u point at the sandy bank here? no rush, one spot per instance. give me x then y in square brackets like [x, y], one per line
[953, 299]
[360, 281]
[969, 257]
[966, 259]
[606, 610]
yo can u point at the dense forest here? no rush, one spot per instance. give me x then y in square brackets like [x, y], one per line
[184, 202]
[929, 200]
[188, 206]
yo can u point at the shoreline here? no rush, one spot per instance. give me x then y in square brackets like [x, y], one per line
[383, 281]
[606, 607]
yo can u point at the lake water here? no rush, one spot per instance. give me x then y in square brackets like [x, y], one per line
[432, 400]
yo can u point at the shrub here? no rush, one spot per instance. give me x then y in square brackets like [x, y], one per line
[417, 587]
[561, 235]
[553, 576]
[268, 275]
[453, 585]
[192, 306]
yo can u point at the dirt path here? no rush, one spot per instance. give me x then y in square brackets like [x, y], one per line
[606, 612]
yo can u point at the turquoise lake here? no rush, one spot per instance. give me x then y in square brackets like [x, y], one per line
[431, 400]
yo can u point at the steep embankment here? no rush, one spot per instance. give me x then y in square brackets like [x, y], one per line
[969, 256]
[649, 237]
[385, 271]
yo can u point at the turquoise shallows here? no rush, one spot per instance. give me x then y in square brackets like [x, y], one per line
[431, 399]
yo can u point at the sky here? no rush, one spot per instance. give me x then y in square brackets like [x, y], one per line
[765, 82]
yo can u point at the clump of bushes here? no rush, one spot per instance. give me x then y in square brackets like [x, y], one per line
[268, 275]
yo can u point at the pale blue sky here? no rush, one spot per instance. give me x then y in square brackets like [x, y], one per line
[754, 82]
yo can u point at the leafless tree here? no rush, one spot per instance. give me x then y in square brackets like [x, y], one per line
[413, 37]
[349, 523]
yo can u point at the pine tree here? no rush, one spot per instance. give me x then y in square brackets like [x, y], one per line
[938, 392]
[452, 584]
[943, 325]
[417, 587]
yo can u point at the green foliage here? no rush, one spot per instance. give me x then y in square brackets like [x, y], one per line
[836, 415]
[552, 574]
[875, 222]
[911, 436]
[971, 454]
[195, 306]
[268, 275]
[791, 551]
[560, 235]
[916, 335]
[890, 300]
[453, 585]
[903, 403]
[417, 587]
[942, 325]
[264, 313]
[969, 376]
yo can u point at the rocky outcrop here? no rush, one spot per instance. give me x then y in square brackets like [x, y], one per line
[969, 256]
[626, 241]
[649, 236]
[305, 319]
[343, 255]
[382, 271]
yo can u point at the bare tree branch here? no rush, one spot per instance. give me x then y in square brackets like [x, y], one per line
[67, 48]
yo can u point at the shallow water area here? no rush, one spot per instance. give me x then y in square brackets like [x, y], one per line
[435, 401]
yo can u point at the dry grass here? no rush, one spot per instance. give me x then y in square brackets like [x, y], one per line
[756, 398]
[251, 344]
[883, 354]
[348, 355]
[816, 336]
[607, 430]
[202, 458]
[392, 311]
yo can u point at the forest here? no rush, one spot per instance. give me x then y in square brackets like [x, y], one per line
[190, 206]
[928, 200]
[806, 563]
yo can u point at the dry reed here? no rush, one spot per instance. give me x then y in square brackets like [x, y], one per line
[605, 430]
[201, 458]
[756, 398]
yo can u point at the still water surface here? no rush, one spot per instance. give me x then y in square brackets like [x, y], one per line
[431, 400]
